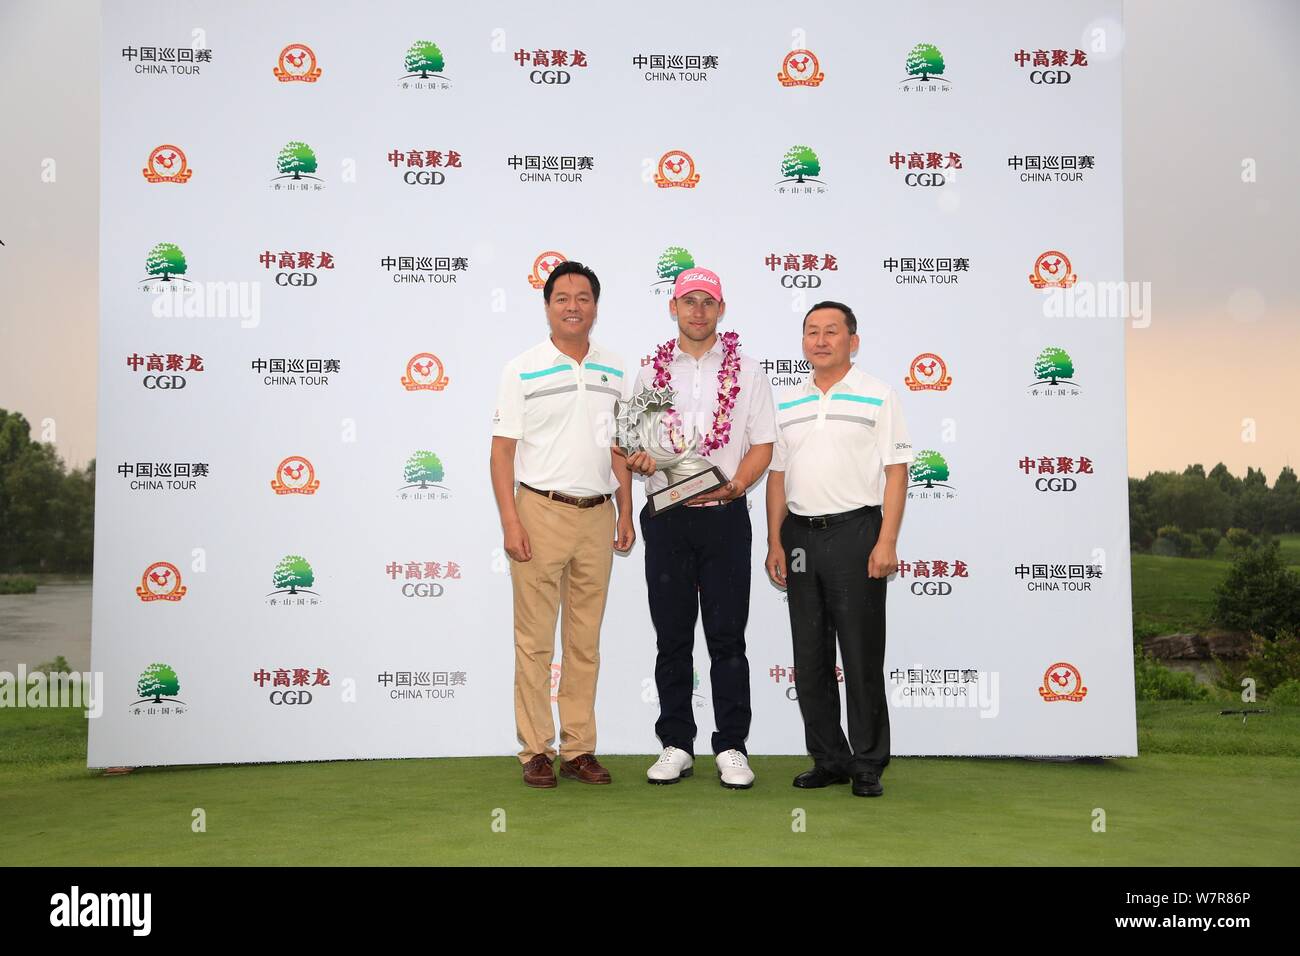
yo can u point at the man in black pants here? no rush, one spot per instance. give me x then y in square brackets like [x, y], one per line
[842, 452]
[698, 554]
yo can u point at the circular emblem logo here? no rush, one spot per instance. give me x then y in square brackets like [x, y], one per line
[928, 371]
[295, 476]
[424, 371]
[800, 68]
[676, 168]
[167, 164]
[542, 267]
[1062, 681]
[1052, 269]
[161, 581]
[297, 62]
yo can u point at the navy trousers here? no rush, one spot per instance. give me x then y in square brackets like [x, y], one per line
[698, 559]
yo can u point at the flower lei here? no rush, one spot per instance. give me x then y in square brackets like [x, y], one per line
[728, 389]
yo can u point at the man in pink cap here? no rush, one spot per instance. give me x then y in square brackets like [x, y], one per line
[698, 555]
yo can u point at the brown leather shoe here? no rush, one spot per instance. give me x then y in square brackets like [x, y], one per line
[538, 772]
[585, 768]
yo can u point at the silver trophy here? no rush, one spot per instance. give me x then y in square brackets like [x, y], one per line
[639, 426]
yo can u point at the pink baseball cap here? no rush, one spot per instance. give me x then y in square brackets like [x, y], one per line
[691, 279]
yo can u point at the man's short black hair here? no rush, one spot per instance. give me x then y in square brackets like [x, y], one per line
[570, 267]
[850, 319]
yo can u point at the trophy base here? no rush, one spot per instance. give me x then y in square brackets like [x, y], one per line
[666, 499]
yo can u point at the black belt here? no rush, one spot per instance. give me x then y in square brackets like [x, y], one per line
[825, 521]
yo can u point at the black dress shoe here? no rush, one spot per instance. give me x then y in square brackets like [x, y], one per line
[867, 784]
[818, 777]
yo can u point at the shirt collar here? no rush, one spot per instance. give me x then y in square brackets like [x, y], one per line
[810, 385]
[714, 350]
[559, 358]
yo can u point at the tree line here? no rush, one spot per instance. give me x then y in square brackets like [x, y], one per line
[47, 511]
[1186, 514]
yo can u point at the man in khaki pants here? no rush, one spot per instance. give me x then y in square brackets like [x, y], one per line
[552, 432]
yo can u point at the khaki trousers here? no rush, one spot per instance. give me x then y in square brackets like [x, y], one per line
[573, 552]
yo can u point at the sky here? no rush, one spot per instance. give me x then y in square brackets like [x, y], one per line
[1210, 132]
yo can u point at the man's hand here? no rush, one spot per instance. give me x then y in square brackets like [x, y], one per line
[626, 535]
[732, 490]
[776, 564]
[516, 542]
[883, 560]
[640, 462]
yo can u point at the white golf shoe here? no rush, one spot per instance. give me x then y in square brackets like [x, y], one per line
[672, 765]
[733, 769]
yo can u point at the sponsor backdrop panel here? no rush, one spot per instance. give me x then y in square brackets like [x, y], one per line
[323, 236]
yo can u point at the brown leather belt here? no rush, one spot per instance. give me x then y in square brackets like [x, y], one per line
[591, 502]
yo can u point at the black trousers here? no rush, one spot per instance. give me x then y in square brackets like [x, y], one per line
[699, 559]
[829, 593]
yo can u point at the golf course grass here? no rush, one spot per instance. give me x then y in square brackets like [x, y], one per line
[1206, 790]
[1172, 595]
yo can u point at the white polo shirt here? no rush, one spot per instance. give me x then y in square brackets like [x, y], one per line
[563, 417]
[834, 445]
[695, 381]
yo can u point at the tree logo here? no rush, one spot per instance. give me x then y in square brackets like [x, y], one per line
[924, 64]
[929, 470]
[1052, 270]
[542, 267]
[295, 476]
[293, 575]
[161, 581]
[928, 371]
[167, 164]
[423, 61]
[800, 68]
[165, 260]
[297, 62]
[1062, 681]
[423, 471]
[1053, 366]
[424, 372]
[673, 262]
[296, 161]
[676, 168]
[158, 682]
[800, 164]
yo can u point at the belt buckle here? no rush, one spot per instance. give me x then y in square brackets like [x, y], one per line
[819, 522]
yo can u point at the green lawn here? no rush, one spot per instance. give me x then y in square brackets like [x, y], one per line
[1174, 594]
[1206, 790]
[1177, 594]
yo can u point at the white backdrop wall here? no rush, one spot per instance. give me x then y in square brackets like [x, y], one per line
[401, 645]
